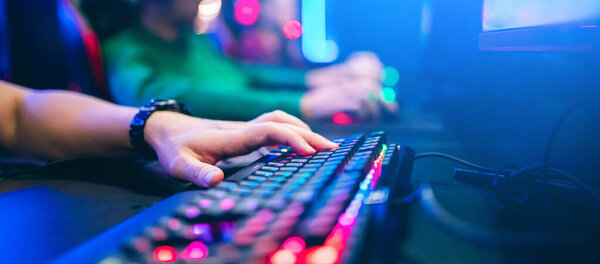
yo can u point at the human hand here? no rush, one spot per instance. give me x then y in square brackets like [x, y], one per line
[188, 147]
[359, 65]
[360, 97]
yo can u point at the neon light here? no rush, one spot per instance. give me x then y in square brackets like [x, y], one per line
[227, 204]
[164, 254]
[315, 45]
[283, 256]
[174, 224]
[342, 118]
[292, 29]
[200, 229]
[322, 255]
[192, 212]
[195, 250]
[335, 243]
[294, 244]
[205, 203]
[390, 76]
[388, 95]
[590, 26]
[246, 11]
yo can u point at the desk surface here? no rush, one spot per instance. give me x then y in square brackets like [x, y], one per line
[98, 205]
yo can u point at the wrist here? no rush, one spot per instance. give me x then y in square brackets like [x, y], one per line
[156, 129]
[148, 126]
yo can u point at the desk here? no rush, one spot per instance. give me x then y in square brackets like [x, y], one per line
[105, 200]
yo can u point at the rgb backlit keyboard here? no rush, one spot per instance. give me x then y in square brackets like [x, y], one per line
[283, 208]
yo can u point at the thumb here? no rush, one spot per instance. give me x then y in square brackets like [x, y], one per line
[202, 174]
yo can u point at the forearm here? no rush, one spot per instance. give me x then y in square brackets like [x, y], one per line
[58, 124]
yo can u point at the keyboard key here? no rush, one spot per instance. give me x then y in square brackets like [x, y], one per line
[276, 164]
[307, 170]
[299, 160]
[256, 178]
[283, 174]
[249, 184]
[293, 164]
[289, 169]
[263, 173]
[226, 185]
[271, 169]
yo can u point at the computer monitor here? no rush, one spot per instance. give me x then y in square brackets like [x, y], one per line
[541, 25]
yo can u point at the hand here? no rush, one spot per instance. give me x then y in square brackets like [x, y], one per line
[360, 65]
[187, 147]
[360, 97]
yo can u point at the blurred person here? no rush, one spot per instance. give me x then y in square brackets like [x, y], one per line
[51, 125]
[160, 56]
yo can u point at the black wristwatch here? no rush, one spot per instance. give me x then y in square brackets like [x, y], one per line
[136, 129]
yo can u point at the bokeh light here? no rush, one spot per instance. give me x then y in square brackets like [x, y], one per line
[390, 76]
[294, 244]
[195, 250]
[292, 29]
[322, 255]
[165, 254]
[342, 118]
[208, 11]
[388, 95]
[246, 12]
[283, 256]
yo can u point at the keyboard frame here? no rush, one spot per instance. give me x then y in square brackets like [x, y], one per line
[383, 219]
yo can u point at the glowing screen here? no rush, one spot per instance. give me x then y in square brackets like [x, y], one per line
[505, 14]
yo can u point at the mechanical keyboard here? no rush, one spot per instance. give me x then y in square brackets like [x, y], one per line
[335, 206]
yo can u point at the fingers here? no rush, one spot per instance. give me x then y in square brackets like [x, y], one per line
[315, 140]
[188, 167]
[270, 133]
[280, 117]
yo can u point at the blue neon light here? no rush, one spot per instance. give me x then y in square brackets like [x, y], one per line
[315, 45]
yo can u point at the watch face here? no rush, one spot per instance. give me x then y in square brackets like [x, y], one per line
[169, 105]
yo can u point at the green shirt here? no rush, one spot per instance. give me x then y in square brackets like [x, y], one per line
[191, 70]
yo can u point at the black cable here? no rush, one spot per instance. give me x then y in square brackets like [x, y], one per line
[518, 174]
[548, 146]
[458, 160]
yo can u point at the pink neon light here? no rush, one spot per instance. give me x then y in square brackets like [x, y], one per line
[283, 256]
[342, 118]
[246, 12]
[174, 224]
[165, 254]
[589, 26]
[195, 250]
[205, 203]
[192, 212]
[227, 204]
[294, 244]
[292, 29]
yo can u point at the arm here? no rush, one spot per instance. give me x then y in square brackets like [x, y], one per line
[53, 124]
[57, 124]
[275, 76]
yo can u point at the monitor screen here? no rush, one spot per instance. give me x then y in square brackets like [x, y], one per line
[541, 25]
[507, 14]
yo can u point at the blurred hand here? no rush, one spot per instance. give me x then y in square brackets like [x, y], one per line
[187, 147]
[359, 65]
[360, 98]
